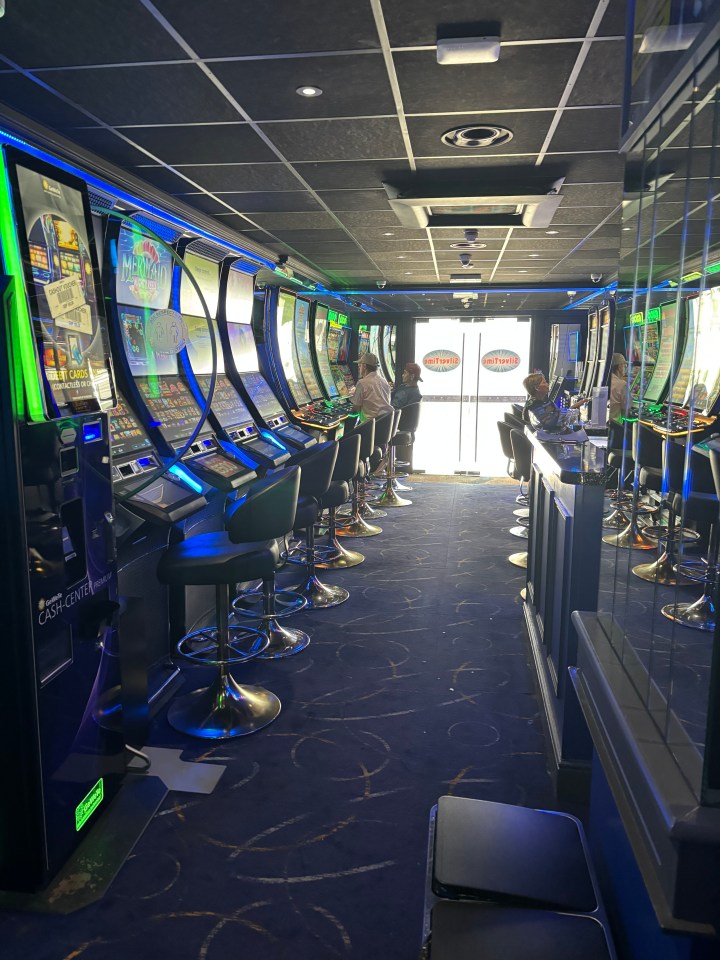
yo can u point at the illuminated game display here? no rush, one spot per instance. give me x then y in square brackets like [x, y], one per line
[338, 351]
[126, 431]
[659, 355]
[321, 349]
[602, 360]
[302, 348]
[206, 274]
[684, 370]
[62, 292]
[288, 348]
[703, 387]
[389, 350]
[590, 353]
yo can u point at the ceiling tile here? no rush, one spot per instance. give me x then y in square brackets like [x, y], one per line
[109, 145]
[356, 175]
[233, 143]
[33, 100]
[601, 77]
[270, 202]
[239, 177]
[294, 221]
[343, 200]
[588, 130]
[337, 139]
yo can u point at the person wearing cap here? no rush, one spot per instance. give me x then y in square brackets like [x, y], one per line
[408, 392]
[372, 393]
[541, 412]
[617, 395]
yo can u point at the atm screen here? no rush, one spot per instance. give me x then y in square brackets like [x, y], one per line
[60, 242]
[126, 432]
[302, 348]
[142, 359]
[262, 396]
[199, 346]
[288, 352]
[143, 275]
[659, 354]
[227, 405]
[172, 407]
[206, 274]
[704, 386]
[321, 349]
[242, 346]
[239, 297]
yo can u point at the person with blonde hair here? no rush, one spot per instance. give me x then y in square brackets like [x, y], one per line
[541, 412]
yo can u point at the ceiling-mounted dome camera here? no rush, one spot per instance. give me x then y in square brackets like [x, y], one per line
[596, 277]
[465, 260]
[471, 236]
[381, 284]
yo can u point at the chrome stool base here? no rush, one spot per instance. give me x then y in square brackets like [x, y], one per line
[224, 709]
[521, 532]
[616, 520]
[699, 615]
[284, 641]
[321, 595]
[523, 593]
[359, 528]
[519, 559]
[661, 570]
[343, 560]
[522, 512]
[390, 499]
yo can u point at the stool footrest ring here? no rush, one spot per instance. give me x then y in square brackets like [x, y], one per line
[202, 646]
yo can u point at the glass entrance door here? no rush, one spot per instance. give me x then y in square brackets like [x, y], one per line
[472, 371]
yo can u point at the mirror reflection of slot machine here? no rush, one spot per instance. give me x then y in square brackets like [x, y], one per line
[58, 555]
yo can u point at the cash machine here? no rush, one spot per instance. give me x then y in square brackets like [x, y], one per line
[241, 362]
[63, 765]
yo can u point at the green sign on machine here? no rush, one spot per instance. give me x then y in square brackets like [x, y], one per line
[653, 315]
[88, 805]
[637, 319]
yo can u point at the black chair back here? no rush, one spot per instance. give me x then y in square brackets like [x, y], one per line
[505, 429]
[384, 428]
[348, 458]
[267, 511]
[317, 468]
[409, 418]
[366, 432]
[522, 454]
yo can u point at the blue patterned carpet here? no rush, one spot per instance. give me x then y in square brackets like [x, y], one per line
[313, 845]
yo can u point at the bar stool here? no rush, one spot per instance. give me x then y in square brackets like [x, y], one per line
[522, 458]
[700, 506]
[407, 422]
[317, 465]
[356, 525]
[246, 551]
[346, 467]
[647, 447]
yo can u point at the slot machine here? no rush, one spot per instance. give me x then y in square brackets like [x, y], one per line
[387, 353]
[339, 352]
[242, 364]
[319, 334]
[64, 765]
[287, 340]
[229, 416]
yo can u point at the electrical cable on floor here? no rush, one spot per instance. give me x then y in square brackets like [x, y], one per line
[140, 755]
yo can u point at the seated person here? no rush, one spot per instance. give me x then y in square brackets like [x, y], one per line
[540, 412]
[408, 392]
[372, 392]
[617, 394]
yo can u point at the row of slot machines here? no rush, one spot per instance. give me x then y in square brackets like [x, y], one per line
[673, 355]
[142, 382]
[380, 340]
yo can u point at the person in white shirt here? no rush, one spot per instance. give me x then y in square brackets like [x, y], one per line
[617, 395]
[372, 393]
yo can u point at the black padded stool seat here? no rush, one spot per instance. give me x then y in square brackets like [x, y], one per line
[356, 525]
[346, 469]
[337, 494]
[485, 931]
[306, 513]
[211, 558]
[496, 851]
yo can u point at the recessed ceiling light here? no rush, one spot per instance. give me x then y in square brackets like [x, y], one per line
[308, 91]
[408, 273]
[532, 255]
[552, 231]
[388, 234]
[627, 228]
[402, 257]
[522, 271]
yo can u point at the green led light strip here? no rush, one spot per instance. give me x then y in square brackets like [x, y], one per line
[89, 804]
[21, 322]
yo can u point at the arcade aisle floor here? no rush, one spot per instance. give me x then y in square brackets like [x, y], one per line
[313, 844]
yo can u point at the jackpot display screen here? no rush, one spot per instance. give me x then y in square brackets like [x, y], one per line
[321, 349]
[239, 297]
[126, 431]
[303, 350]
[143, 277]
[58, 244]
[206, 273]
[143, 359]
[703, 388]
[172, 406]
[242, 346]
[200, 338]
[659, 351]
[287, 348]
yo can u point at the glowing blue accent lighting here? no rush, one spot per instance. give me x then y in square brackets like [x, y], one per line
[131, 200]
[181, 473]
[113, 254]
[271, 439]
[92, 432]
[238, 453]
[176, 278]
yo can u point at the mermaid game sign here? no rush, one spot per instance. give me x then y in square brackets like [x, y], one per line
[144, 271]
[500, 361]
[441, 361]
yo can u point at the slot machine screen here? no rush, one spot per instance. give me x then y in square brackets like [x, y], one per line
[658, 349]
[603, 349]
[58, 243]
[242, 346]
[126, 432]
[206, 274]
[389, 349]
[227, 405]
[364, 341]
[591, 353]
[172, 407]
[199, 346]
[373, 341]
[262, 396]
[682, 377]
[573, 346]
[303, 350]
[704, 386]
[143, 277]
[143, 360]
[239, 296]
[286, 345]
[321, 349]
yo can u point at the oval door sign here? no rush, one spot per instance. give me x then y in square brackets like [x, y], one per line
[441, 360]
[500, 360]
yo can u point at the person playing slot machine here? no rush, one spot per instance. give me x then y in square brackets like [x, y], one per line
[542, 413]
[408, 392]
[617, 396]
[372, 393]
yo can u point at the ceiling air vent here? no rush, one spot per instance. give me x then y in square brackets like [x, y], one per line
[476, 137]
